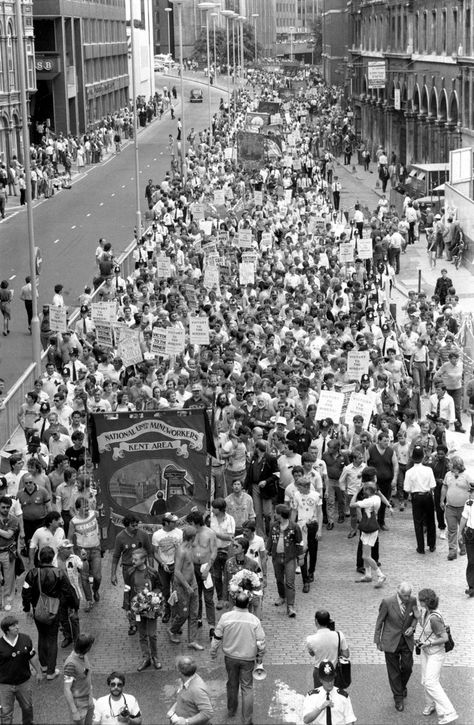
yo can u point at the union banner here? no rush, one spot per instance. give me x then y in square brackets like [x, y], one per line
[150, 463]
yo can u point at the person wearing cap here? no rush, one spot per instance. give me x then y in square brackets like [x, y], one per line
[451, 374]
[327, 705]
[420, 484]
[165, 543]
[72, 565]
[197, 399]
[443, 284]
[74, 365]
[84, 327]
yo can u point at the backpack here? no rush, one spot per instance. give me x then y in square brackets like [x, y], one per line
[47, 607]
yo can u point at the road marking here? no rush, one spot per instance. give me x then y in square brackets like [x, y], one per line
[73, 226]
[56, 241]
[113, 194]
[101, 203]
[88, 214]
[154, 159]
[148, 166]
[123, 186]
[12, 277]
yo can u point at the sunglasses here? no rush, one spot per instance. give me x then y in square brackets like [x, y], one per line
[116, 684]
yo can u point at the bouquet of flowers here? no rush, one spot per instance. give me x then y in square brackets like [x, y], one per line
[147, 603]
[246, 582]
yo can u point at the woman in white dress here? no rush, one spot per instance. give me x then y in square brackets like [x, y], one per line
[80, 156]
[369, 506]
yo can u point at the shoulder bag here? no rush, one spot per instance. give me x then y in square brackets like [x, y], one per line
[343, 668]
[368, 524]
[47, 607]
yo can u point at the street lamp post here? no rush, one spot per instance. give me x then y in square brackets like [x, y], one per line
[168, 11]
[228, 14]
[138, 218]
[207, 6]
[255, 16]
[214, 16]
[35, 325]
[242, 19]
[179, 4]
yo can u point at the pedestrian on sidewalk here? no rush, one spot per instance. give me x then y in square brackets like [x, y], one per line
[431, 642]
[394, 636]
[193, 702]
[78, 681]
[336, 193]
[17, 656]
[420, 483]
[6, 296]
[326, 643]
[286, 549]
[241, 653]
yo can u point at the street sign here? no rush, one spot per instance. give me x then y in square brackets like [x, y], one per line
[376, 74]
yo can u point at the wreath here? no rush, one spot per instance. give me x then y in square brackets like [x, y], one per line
[245, 582]
[147, 603]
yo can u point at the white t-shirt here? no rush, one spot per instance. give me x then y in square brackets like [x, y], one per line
[372, 503]
[44, 537]
[167, 542]
[106, 710]
[256, 547]
[323, 645]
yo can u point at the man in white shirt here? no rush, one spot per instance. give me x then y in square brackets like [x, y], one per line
[112, 709]
[51, 534]
[420, 483]
[165, 543]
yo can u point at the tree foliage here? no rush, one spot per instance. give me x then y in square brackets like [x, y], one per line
[200, 48]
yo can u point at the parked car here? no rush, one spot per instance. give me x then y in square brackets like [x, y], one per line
[196, 95]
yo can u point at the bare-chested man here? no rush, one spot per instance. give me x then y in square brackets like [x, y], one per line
[204, 554]
[185, 586]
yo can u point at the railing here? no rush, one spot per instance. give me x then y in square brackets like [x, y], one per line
[16, 395]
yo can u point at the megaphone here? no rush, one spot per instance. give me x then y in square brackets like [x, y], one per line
[259, 673]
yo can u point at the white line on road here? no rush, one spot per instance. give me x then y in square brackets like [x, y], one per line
[101, 203]
[56, 241]
[88, 214]
[113, 194]
[73, 226]
[12, 277]
[123, 186]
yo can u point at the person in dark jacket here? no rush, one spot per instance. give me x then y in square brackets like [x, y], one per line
[55, 584]
[260, 483]
[142, 579]
[286, 549]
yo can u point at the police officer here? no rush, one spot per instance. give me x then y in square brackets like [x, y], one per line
[328, 705]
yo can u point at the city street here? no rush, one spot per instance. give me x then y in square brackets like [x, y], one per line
[101, 203]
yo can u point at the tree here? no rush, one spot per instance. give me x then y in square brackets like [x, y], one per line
[200, 46]
[317, 31]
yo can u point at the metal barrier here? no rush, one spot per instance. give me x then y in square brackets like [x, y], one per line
[16, 395]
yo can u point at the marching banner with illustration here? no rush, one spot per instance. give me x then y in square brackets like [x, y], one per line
[150, 463]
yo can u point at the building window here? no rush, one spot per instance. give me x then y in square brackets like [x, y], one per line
[467, 35]
[455, 31]
[425, 33]
[444, 39]
[11, 59]
[416, 39]
[434, 47]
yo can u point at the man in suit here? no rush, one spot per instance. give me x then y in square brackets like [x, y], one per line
[260, 483]
[396, 624]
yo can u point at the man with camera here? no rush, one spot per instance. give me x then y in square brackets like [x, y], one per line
[116, 707]
[394, 630]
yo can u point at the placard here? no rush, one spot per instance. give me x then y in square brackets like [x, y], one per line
[211, 278]
[357, 363]
[250, 258]
[199, 330]
[329, 405]
[104, 335]
[175, 341]
[223, 236]
[128, 347]
[364, 248]
[228, 153]
[158, 341]
[197, 210]
[57, 318]
[266, 241]
[360, 404]
[346, 253]
[258, 198]
[103, 312]
[219, 197]
[163, 266]
[245, 238]
[206, 226]
[288, 196]
[246, 273]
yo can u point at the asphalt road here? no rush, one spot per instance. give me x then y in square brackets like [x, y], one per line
[67, 227]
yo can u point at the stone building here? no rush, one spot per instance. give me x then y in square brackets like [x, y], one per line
[411, 75]
[10, 106]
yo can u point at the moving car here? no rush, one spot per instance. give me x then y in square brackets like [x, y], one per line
[195, 95]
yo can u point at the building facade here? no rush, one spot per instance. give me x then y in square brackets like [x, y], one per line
[421, 106]
[11, 121]
[142, 29]
[81, 62]
[336, 20]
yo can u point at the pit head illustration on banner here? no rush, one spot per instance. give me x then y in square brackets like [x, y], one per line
[150, 463]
